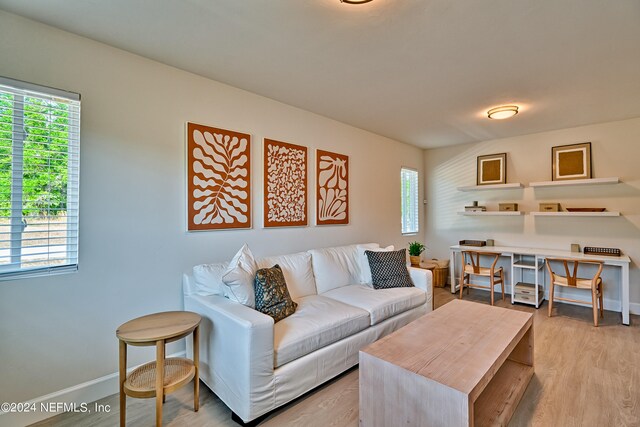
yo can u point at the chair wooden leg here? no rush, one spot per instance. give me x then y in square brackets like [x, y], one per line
[601, 302]
[492, 284]
[550, 299]
[594, 301]
[502, 283]
[461, 285]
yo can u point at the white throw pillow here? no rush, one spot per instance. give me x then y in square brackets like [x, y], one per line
[364, 262]
[208, 278]
[239, 277]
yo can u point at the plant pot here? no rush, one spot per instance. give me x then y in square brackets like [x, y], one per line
[415, 260]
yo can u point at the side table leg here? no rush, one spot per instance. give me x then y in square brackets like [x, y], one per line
[123, 377]
[159, 381]
[196, 363]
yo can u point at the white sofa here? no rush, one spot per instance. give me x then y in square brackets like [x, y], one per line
[255, 366]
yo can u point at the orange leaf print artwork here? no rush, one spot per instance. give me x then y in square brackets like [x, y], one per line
[219, 178]
[285, 183]
[332, 195]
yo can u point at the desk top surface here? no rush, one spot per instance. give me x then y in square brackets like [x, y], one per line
[556, 253]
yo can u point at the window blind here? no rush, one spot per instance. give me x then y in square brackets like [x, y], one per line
[39, 179]
[409, 194]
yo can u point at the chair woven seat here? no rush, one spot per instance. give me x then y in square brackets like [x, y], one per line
[482, 271]
[580, 283]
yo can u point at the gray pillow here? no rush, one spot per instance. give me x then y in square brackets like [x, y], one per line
[389, 269]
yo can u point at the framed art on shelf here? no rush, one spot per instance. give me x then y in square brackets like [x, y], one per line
[285, 184]
[218, 178]
[571, 162]
[492, 169]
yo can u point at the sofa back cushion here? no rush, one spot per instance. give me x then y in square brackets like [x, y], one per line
[207, 278]
[335, 267]
[297, 272]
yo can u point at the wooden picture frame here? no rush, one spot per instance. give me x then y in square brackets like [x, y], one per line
[571, 161]
[332, 188]
[218, 178]
[285, 184]
[492, 169]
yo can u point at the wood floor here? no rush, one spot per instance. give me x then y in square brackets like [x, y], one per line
[584, 376]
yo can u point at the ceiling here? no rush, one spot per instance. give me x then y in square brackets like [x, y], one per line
[419, 71]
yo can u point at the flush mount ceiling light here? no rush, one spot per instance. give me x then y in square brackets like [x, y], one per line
[355, 1]
[502, 112]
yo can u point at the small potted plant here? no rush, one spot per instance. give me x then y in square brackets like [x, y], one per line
[415, 249]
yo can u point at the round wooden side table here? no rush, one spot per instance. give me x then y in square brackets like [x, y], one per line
[148, 381]
[431, 267]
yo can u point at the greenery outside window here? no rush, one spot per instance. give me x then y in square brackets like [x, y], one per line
[409, 195]
[39, 179]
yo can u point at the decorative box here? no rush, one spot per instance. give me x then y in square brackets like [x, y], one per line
[473, 243]
[549, 207]
[508, 207]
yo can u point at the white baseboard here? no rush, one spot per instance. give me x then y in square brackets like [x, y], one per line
[634, 308]
[87, 392]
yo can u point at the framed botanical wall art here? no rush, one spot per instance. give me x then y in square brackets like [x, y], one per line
[492, 169]
[285, 184]
[332, 188]
[218, 178]
[571, 162]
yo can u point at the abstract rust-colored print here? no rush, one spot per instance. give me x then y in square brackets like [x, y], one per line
[285, 184]
[218, 173]
[332, 188]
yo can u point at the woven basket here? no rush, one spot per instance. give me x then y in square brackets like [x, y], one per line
[440, 277]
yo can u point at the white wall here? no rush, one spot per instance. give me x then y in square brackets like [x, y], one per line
[615, 152]
[60, 331]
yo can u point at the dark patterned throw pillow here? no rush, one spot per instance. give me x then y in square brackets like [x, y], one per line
[272, 295]
[389, 269]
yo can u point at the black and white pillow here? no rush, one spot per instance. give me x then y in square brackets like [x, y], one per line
[389, 269]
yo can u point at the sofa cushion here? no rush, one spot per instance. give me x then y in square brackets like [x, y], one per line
[381, 304]
[317, 322]
[297, 272]
[208, 278]
[335, 267]
[389, 269]
[272, 295]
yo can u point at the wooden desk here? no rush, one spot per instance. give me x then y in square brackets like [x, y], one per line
[464, 364]
[148, 381]
[622, 262]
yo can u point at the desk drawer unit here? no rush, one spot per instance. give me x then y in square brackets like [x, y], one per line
[525, 293]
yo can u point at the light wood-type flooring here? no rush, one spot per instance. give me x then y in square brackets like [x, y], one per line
[584, 376]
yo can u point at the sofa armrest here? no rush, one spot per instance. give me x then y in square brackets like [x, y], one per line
[236, 351]
[422, 279]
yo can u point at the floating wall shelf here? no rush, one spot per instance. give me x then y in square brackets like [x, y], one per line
[575, 213]
[492, 213]
[512, 186]
[572, 182]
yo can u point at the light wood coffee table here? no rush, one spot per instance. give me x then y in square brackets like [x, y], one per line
[464, 364]
[147, 381]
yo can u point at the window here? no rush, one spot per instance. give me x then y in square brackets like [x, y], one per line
[409, 194]
[39, 171]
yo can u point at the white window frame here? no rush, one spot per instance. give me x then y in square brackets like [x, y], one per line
[15, 268]
[409, 209]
